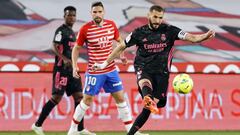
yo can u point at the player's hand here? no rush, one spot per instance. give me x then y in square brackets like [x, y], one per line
[124, 60]
[76, 72]
[210, 34]
[97, 66]
[67, 62]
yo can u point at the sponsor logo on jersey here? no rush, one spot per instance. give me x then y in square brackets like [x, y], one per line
[155, 47]
[144, 40]
[163, 37]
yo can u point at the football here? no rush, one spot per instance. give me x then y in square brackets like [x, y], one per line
[182, 83]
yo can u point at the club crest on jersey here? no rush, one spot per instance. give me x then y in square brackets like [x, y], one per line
[144, 40]
[163, 37]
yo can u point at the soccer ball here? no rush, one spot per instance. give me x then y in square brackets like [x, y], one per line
[182, 83]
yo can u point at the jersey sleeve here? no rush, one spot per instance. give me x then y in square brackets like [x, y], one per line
[116, 32]
[82, 36]
[58, 36]
[175, 32]
[131, 39]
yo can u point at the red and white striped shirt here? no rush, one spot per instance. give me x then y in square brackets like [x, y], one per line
[99, 41]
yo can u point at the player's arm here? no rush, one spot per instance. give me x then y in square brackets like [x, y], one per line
[64, 58]
[123, 44]
[195, 38]
[122, 56]
[120, 42]
[57, 41]
[115, 53]
[118, 51]
[81, 37]
[75, 54]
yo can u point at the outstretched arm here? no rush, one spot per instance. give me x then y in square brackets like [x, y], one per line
[115, 53]
[195, 38]
[122, 56]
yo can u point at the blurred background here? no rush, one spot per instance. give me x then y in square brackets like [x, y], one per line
[26, 60]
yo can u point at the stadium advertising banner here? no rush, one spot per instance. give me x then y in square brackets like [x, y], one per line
[188, 67]
[214, 104]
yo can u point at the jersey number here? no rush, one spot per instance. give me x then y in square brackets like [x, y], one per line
[91, 80]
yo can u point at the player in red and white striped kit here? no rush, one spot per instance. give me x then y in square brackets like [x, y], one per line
[98, 35]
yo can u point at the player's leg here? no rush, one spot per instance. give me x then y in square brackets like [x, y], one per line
[77, 96]
[123, 109]
[75, 89]
[145, 88]
[144, 115]
[114, 86]
[93, 84]
[160, 85]
[47, 108]
[79, 115]
[160, 89]
[57, 93]
[124, 112]
[140, 121]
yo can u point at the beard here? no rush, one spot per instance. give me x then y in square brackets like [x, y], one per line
[98, 20]
[154, 26]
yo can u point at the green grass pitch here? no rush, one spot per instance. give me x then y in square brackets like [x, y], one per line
[150, 132]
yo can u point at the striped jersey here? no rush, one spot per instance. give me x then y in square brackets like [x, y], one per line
[99, 41]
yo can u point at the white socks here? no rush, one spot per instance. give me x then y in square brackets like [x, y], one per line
[79, 114]
[125, 115]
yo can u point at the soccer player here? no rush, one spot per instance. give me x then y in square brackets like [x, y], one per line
[98, 35]
[63, 81]
[152, 63]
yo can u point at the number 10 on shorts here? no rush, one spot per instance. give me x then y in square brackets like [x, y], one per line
[91, 80]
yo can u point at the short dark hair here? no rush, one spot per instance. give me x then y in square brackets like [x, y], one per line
[70, 8]
[98, 3]
[157, 8]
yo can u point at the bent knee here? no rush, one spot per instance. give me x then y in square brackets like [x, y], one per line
[144, 82]
[118, 96]
[88, 99]
[119, 99]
